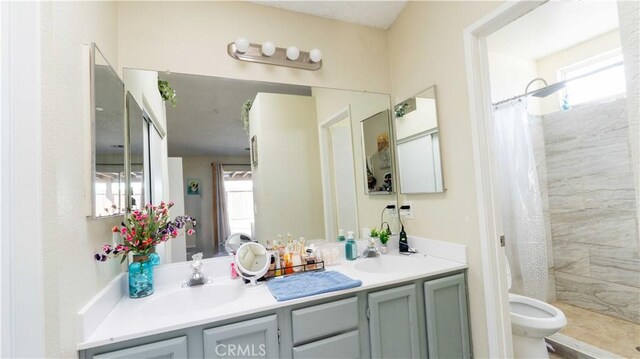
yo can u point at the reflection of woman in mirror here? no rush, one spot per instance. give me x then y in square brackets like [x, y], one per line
[378, 165]
[384, 155]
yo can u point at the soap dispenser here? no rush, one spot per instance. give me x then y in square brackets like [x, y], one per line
[351, 247]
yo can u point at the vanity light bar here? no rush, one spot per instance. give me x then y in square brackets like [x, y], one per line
[254, 53]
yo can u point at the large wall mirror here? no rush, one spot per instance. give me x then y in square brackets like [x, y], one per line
[418, 144]
[108, 124]
[138, 148]
[378, 156]
[296, 165]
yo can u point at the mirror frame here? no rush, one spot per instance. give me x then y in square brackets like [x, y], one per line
[395, 118]
[392, 150]
[92, 104]
[130, 101]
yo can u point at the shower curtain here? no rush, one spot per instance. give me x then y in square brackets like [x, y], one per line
[520, 200]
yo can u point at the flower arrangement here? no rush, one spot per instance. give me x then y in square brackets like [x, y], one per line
[143, 229]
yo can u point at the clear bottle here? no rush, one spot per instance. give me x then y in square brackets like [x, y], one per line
[340, 235]
[351, 247]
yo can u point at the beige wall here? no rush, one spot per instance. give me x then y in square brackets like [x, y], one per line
[509, 76]
[192, 37]
[426, 47]
[548, 66]
[287, 184]
[71, 275]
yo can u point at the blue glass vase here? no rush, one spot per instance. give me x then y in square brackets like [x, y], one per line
[140, 276]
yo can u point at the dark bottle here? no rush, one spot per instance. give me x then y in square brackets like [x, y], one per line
[403, 245]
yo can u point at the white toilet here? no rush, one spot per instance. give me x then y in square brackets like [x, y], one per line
[531, 321]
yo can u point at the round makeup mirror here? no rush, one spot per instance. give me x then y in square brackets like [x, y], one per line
[252, 261]
[235, 240]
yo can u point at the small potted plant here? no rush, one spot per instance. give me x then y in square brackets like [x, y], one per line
[141, 231]
[167, 92]
[374, 232]
[384, 238]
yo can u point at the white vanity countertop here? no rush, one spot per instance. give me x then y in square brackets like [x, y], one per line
[172, 307]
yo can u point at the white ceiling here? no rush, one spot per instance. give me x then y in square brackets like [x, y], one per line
[379, 14]
[206, 120]
[554, 26]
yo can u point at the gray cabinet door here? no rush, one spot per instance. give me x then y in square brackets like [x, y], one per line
[167, 349]
[445, 301]
[393, 323]
[256, 338]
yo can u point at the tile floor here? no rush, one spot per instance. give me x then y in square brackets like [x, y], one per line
[611, 334]
[555, 356]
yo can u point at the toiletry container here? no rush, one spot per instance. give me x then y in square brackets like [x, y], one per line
[351, 248]
[341, 235]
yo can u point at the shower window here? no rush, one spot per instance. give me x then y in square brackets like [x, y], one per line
[606, 83]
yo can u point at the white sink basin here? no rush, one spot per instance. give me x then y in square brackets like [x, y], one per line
[387, 263]
[202, 297]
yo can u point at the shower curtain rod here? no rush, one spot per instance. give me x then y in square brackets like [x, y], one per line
[561, 84]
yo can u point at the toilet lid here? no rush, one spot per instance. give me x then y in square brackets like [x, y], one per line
[506, 261]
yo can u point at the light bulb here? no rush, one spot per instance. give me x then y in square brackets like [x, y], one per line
[242, 44]
[293, 53]
[268, 48]
[315, 55]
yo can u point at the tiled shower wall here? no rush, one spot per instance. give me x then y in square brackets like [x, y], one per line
[591, 208]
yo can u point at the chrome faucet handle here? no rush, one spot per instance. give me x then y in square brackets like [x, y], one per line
[371, 250]
[197, 277]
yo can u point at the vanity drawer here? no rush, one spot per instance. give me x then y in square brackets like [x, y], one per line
[346, 345]
[171, 348]
[324, 319]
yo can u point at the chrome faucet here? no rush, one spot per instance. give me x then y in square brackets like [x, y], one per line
[371, 250]
[197, 277]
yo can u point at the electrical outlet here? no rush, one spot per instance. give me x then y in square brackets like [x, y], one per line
[393, 213]
[407, 213]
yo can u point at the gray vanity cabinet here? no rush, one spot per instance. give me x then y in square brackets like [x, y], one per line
[445, 301]
[424, 317]
[256, 338]
[171, 348]
[393, 323]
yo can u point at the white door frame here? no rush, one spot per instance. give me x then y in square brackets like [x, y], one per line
[21, 257]
[493, 266]
[326, 169]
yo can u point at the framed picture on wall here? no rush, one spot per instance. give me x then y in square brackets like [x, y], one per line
[254, 150]
[193, 186]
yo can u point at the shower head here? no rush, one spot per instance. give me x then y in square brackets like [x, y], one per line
[544, 91]
[548, 90]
